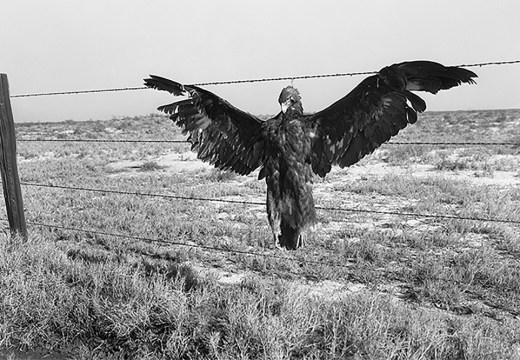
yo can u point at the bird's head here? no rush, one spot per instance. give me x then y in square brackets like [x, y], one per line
[290, 100]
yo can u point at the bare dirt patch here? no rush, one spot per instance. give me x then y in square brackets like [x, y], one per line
[173, 162]
[371, 170]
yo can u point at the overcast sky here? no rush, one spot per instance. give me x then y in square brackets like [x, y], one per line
[61, 45]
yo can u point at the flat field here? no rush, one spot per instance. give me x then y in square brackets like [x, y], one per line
[416, 255]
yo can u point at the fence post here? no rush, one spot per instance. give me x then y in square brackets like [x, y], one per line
[8, 165]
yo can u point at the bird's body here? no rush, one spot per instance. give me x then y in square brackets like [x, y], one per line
[292, 146]
[288, 174]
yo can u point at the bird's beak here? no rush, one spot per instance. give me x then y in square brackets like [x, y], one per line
[286, 105]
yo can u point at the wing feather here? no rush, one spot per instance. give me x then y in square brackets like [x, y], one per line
[377, 109]
[221, 134]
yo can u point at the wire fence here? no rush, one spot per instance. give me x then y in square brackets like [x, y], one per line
[282, 78]
[244, 202]
[398, 143]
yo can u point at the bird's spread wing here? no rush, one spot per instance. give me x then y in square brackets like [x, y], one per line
[221, 134]
[376, 110]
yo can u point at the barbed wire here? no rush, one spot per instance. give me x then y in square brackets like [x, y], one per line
[178, 243]
[452, 143]
[426, 143]
[489, 63]
[235, 251]
[106, 140]
[219, 249]
[246, 202]
[161, 241]
[227, 250]
[282, 78]
[76, 92]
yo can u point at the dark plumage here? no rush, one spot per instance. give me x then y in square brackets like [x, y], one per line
[292, 146]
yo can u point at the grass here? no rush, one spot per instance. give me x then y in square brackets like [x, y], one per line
[148, 310]
[431, 288]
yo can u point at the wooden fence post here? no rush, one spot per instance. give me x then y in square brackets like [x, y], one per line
[8, 165]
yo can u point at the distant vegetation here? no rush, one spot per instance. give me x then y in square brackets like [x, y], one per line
[366, 285]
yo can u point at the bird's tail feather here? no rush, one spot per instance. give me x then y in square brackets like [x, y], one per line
[432, 77]
[290, 237]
